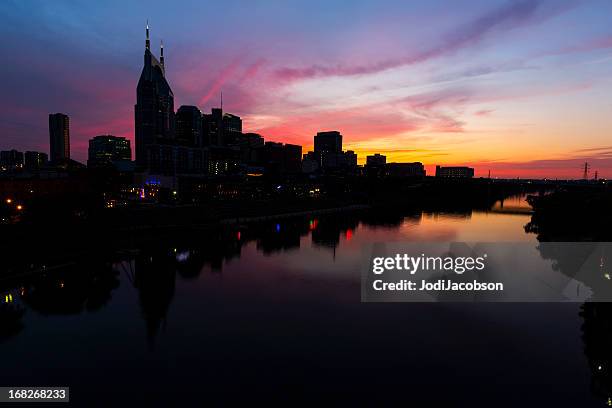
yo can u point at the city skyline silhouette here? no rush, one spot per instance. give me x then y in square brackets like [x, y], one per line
[473, 90]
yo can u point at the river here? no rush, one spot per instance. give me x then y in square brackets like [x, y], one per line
[274, 311]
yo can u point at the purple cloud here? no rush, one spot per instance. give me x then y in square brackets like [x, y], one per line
[509, 16]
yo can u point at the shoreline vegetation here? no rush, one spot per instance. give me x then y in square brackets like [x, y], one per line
[572, 214]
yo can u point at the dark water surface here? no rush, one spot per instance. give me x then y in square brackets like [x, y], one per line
[273, 311]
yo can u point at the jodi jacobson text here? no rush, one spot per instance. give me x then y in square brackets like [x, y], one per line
[439, 285]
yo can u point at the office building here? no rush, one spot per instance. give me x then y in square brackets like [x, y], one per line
[292, 159]
[375, 165]
[376, 160]
[59, 137]
[330, 141]
[454, 172]
[415, 169]
[153, 112]
[11, 160]
[251, 147]
[188, 126]
[212, 127]
[232, 128]
[35, 160]
[108, 150]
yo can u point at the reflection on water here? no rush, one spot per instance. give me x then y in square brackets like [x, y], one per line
[274, 309]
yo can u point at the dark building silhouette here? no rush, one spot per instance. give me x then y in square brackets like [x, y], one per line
[223, 160]
[454, 172]
[212, 127]
[232, 128]
[221, 129]
[282, 158]
[59, 137]
[153, 112]
[350, 158]
[328, 142]
[376, 159]
[292, 158]
[328, 155]
[107, 150]
[11, 160]
[189, 126]
[251, 147]
[376, 165]
[405, 169]
[35, 160]
[273, 157]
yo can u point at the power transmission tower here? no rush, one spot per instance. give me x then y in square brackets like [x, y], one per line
[585, 175]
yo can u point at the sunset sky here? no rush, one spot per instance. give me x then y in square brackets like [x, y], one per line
[521, 88]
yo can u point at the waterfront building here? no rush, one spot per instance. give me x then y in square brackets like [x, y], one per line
[415, 169]
[454, 172]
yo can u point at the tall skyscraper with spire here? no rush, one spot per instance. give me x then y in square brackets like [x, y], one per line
[154, 109]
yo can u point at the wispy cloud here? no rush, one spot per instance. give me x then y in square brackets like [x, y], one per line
[510, 15]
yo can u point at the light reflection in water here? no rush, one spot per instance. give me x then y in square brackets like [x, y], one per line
[275, 308]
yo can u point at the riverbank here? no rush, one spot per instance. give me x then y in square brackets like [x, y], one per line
[577, 214]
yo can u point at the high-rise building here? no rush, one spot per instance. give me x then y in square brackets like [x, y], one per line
[108, 150]
[154, 109]
[282, 158]
[232, 128]
[35, 160]
[11, 160]
[251, 147]
[328, 156]
[292, 158]
[59, 136]
[328, 142]
[212, 127]
[221, 129]
[189, 126]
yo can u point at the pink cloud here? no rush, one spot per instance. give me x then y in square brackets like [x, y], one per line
[215, 88]
[570, 167]
[484, 112]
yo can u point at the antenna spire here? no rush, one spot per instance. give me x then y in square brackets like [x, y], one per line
[161, 53]
[148, 42]
[221, 101]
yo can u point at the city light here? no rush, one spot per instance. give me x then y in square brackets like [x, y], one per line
[349, 234]
[8, 201]
[19, 207]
